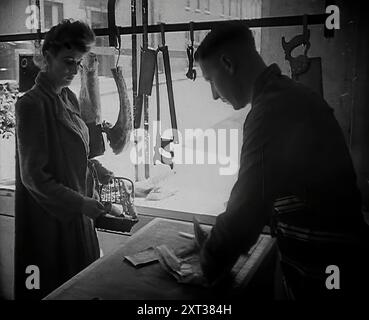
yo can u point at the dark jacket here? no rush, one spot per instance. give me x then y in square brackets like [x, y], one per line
[292, 145]
[52, 179]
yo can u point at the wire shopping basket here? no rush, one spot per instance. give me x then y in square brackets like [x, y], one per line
[118, 198]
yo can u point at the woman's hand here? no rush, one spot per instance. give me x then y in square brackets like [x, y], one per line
[92, 208]
[114, 210]
[103, 175]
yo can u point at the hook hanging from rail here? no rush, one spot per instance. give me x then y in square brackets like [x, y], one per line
[162, 33]
[304, 69]
[37, 41]
[112, 28]
[114, 33]
[37, 56]
[118, 45]
[299, 64]
[191, 73]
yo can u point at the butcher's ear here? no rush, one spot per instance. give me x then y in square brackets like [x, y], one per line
[227, 63]
[47, 56]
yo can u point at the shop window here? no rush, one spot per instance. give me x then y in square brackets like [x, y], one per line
[53, 13]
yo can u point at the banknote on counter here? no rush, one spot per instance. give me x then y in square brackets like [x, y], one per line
[142, 258]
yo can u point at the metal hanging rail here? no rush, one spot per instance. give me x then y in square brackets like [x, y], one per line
[252, 23]
[284, 21]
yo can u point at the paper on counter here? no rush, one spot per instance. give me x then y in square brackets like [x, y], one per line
[200, 234]
[143, 257]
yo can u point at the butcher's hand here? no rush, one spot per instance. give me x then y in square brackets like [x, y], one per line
[92, 208]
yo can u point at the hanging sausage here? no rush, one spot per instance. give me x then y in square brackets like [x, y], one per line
[90, 103]
[119, 134]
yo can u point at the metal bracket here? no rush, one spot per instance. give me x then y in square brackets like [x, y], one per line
[298, 64]
[191, 73]
[114, 38]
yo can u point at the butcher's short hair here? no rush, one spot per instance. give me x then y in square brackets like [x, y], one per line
[227, 32]
[69, 34]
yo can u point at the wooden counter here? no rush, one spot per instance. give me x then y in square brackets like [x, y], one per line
[112, 277]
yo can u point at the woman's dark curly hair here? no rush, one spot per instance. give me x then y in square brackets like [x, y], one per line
[67, 34]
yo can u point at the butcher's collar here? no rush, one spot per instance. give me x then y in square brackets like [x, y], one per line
[263, 78]
[44, 81]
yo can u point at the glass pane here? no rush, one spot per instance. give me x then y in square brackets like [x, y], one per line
[7, 160]
[18, 17]
[24, 16]
[11, 54]
[195, 110]
[53, 13]
[94, 12]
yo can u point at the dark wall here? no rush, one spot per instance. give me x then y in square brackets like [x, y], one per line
[344, 65]
[360, 103]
